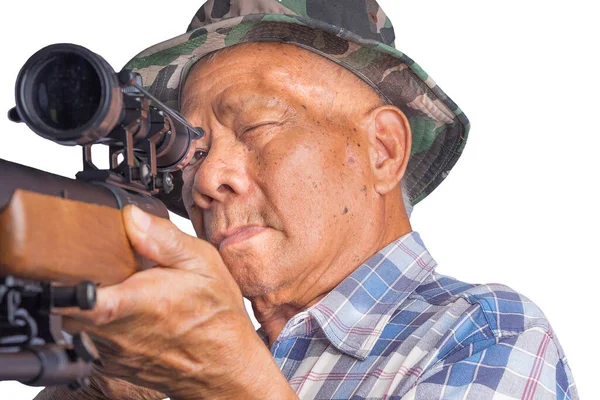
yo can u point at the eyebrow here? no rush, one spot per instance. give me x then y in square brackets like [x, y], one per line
[236, 104]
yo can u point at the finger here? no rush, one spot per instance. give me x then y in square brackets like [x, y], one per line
[161, 241]
[101, 336]
[74, 325]
[109, 307]
[136, 295]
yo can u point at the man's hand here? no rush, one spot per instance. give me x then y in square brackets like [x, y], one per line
[101, 387]
[180, 328]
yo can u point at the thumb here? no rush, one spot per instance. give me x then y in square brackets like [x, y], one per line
[161, 241]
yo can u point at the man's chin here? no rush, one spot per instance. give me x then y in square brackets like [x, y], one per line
[256, 286]
[255, 263]
[255, 278]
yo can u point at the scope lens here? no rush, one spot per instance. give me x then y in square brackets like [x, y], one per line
[67, 92]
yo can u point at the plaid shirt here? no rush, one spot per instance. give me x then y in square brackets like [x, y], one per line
[396, 329]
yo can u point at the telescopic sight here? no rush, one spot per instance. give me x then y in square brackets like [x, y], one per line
[68, 92]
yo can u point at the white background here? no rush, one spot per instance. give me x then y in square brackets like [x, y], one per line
[519, 208]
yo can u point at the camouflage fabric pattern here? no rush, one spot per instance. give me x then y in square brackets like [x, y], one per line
[353, 33]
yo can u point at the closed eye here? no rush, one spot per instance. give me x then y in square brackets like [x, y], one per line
[250, 128]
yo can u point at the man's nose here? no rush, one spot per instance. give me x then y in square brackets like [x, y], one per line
[223, 173]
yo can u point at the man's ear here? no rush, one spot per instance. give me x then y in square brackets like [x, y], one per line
[390, 141]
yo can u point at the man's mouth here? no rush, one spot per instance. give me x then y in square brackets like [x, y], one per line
[237, 235]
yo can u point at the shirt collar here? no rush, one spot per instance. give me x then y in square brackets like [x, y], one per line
[354, 314]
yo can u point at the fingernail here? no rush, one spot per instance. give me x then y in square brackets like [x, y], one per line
[140, 219]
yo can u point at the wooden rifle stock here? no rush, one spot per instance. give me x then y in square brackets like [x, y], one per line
[52, 238]
[48, 238]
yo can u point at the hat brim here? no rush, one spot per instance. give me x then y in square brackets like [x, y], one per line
[439, 127]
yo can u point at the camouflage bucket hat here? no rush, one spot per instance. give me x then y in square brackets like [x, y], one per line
[355, 34]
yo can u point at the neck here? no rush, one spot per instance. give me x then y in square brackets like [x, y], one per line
[275, 309]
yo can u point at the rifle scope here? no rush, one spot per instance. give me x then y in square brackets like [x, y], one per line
[72, 96]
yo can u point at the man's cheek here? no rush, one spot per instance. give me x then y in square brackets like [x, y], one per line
[298, 185]
[186, 189]
[198, 223]
[194, 212]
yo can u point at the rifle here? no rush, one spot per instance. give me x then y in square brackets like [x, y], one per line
[72, 96]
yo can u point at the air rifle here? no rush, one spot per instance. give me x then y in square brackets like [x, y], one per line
[61, 237]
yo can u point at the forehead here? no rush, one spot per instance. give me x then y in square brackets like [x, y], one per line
[257, 71]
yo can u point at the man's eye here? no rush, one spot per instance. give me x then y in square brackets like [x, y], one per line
[250, 128]
[198, 156]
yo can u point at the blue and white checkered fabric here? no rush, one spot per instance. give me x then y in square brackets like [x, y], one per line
[396, 329]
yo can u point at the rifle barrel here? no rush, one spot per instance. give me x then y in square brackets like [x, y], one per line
[21, 366]
[43, 366]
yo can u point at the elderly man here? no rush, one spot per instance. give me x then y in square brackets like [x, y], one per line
[319, 136]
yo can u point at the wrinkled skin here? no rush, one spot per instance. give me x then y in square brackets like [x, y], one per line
[297, 145]
[101, 387]
[316, 168]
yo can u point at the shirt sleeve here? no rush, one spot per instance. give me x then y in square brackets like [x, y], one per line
[529, 365]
